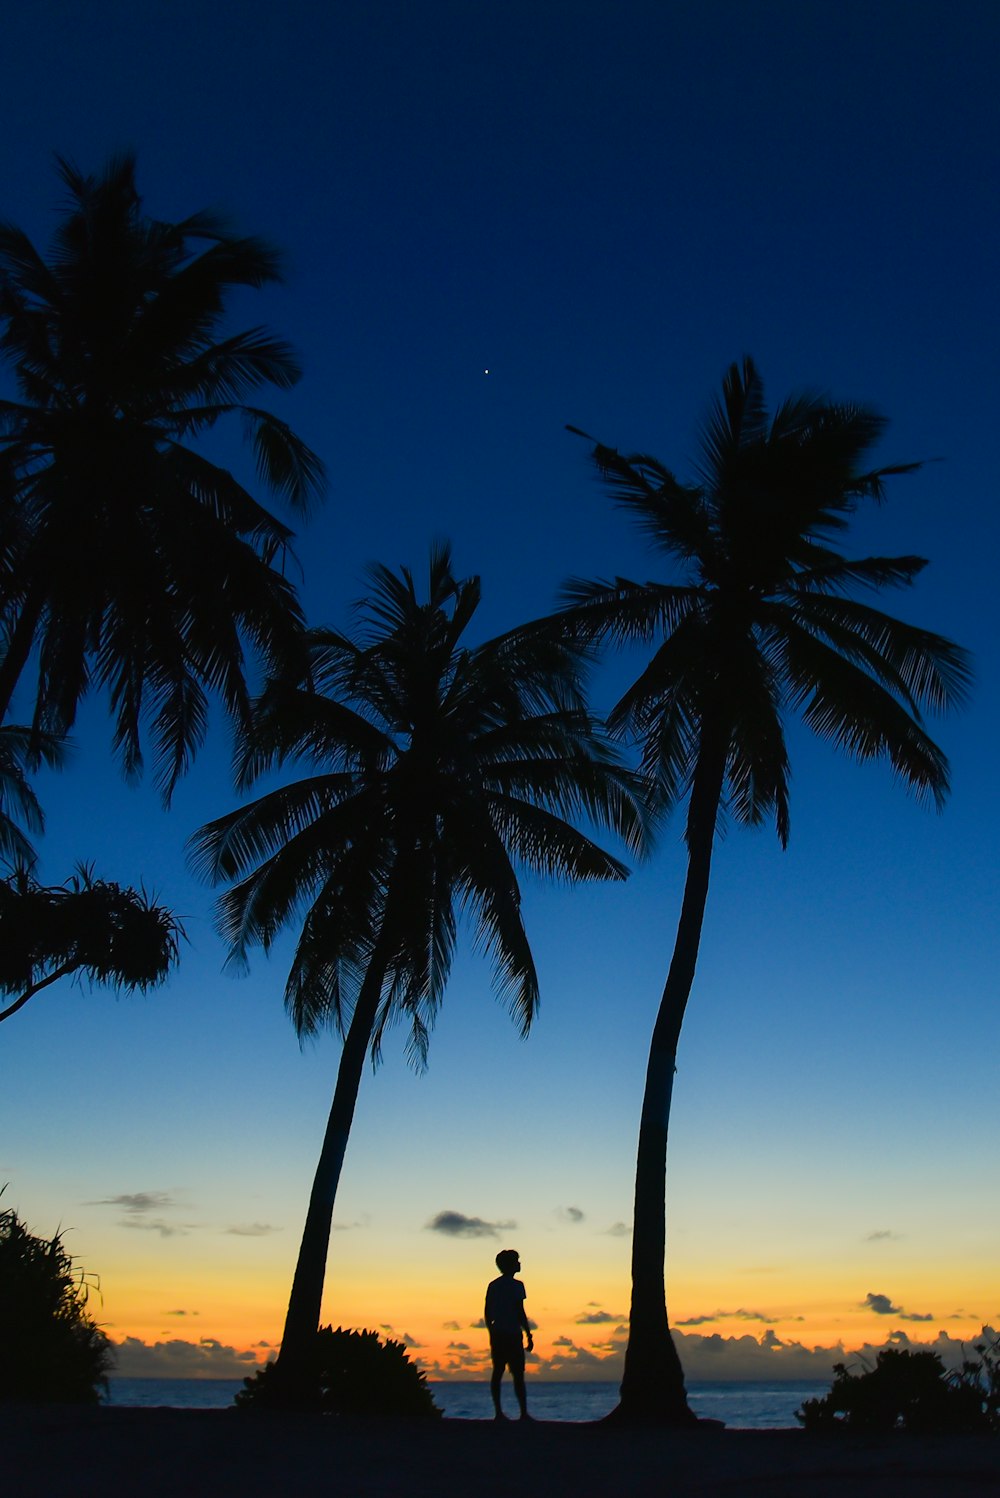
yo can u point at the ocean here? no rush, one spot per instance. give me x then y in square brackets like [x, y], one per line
[741, 1406]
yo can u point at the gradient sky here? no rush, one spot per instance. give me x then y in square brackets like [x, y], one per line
[601, 206]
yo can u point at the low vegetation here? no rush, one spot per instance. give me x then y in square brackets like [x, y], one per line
[53, 1349]
[346, 1373]
[912, 1391]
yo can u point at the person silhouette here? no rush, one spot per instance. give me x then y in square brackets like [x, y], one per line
[506, 1320]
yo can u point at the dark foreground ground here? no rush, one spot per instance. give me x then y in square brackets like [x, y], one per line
[114, 1453]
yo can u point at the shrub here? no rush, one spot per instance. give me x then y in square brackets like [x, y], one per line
[348, 1373]
[909, 1391]
[52, 1349]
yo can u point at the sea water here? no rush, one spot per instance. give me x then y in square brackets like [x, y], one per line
[746, 1406]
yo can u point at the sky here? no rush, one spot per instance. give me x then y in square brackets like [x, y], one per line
[498, 219]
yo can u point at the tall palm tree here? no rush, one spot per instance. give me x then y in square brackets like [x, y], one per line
[759, 626]
[437, 767]
[128, 558]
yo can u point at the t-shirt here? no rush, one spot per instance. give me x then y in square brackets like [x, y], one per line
[504, 1302]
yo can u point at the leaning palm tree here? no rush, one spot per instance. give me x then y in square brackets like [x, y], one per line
[433, 769]
[129, 560]
[759, 626]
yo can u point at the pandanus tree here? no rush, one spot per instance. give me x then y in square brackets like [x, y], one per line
[433, 770]
[130, 560]
[760, 624]
[87, 928]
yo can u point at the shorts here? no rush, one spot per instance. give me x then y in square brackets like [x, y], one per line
[507, 1351]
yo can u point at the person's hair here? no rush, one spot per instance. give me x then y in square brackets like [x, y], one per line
[508, 1258]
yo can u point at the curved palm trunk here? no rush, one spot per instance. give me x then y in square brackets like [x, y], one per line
[652, 1388]
[305, 1301]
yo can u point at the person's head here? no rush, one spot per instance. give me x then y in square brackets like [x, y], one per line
[508, 1261]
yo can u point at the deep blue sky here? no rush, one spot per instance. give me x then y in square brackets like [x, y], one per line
[602, 206]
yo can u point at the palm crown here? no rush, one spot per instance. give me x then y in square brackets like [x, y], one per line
[126, 556]
[439, 768]
[762, 622]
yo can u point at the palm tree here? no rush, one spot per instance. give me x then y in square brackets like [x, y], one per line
[88, 927]
[437, 767]
[128, 558]
[760, 625]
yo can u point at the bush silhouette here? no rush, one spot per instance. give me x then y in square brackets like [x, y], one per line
[346, 1373]
[909, 1391]
[52, 1349]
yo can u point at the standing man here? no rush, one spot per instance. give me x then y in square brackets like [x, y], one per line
[506, 1320]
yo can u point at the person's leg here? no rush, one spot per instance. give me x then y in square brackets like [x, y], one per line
[517, 1374]
[498, 1366]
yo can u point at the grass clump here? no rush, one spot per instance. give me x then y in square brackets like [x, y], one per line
[347, 1373]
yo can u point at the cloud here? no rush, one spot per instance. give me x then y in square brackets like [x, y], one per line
[364, 1221]
[880, 1304]
[207, 1358]
[883, 1306]
[181, 1313]
[618, 1230]
[570, 1214]
[883, 1235]
[253, 1230]
[457, 1225]
[740, 1315]
[459, 1347]
[450, 1326]
[156, 1225]
[598, 1318]
[136, 1201]
[478, 1326]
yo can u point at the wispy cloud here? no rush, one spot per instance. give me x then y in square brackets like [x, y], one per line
[364, 1221]
[883, 1235]
[136, 1201]
[157, 1225]
[618, 1230]
[570, 1214]
[740, 1315]
[181, 1313]
[598, 1318]
[457, 1225]
[253, 1230]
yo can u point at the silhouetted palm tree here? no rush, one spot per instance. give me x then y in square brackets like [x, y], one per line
[760, 626]
[438, 768]
[127, 558]
[106, 932]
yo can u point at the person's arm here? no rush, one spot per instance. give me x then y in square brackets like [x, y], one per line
[527, 1327]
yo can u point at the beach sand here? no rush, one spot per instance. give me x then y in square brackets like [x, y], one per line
[166, 1453]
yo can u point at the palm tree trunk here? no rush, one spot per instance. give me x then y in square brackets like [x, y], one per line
[652, 1388]
[305, 1301]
